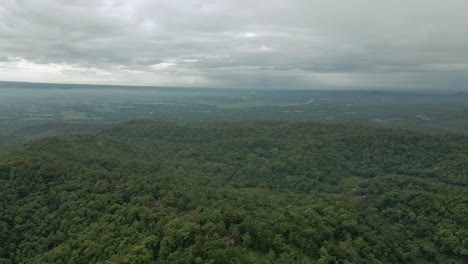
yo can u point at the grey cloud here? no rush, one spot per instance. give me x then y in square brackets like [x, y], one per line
[261, 44]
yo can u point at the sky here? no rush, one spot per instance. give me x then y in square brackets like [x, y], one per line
[277, 44]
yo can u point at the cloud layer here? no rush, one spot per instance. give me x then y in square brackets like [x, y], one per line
[317, 44]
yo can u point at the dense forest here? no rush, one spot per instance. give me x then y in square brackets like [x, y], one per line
[236, 192]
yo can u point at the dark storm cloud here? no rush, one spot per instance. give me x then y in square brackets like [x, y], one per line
[259, 44]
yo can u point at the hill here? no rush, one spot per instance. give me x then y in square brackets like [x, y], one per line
[247, 192]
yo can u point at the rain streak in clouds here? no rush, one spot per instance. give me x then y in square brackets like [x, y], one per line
[294, 44]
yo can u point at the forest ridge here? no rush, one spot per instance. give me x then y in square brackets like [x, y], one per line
[246, 192]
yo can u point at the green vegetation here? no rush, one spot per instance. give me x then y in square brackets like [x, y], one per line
[24, 105]
[74, 115]
[248, 192]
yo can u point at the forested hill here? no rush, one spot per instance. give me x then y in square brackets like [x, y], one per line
[249, 192]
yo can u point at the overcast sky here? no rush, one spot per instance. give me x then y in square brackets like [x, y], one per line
[285, 44]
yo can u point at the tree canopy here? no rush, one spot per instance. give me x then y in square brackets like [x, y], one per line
[247, 192]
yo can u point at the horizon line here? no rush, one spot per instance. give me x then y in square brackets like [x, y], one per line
[329, 89]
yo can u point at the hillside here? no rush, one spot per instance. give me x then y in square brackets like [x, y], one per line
[247, 192]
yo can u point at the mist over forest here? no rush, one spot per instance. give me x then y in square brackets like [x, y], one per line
[112, 174]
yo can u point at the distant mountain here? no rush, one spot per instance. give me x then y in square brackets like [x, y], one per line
[461, 93]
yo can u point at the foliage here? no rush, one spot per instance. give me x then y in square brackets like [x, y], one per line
[250, 192]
